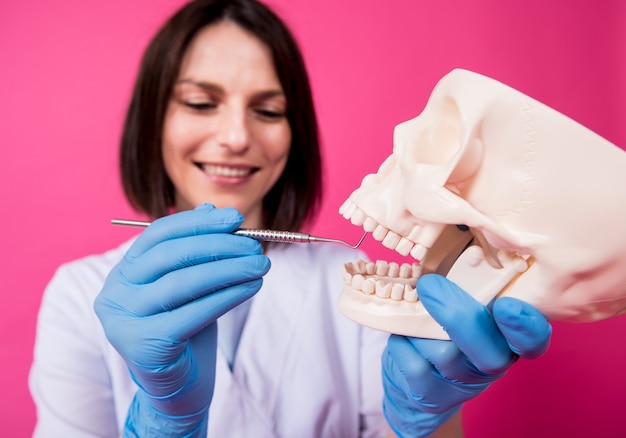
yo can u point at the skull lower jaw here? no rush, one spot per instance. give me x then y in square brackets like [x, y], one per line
[387, 302]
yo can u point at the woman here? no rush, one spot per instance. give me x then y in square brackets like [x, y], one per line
[221, 113]
[220, 134]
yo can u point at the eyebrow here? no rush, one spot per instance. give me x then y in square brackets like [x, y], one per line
[217, 89]
[204, 85]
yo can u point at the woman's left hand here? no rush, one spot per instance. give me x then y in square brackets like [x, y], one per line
[426, 380]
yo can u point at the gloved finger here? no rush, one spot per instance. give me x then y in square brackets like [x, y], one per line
[525, 328]
[171, 255]
[184, 285]
[201, 280]
[160, 338]
[202, 220]
[450, 362]
[187, 320]
[469, 324]
[415, 377]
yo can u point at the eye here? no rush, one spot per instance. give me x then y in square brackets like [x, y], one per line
[269, 114]
[195, 97]
[200, 106]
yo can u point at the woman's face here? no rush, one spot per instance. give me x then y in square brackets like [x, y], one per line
[226, 137]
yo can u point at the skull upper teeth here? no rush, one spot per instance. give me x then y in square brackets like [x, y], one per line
[403, 245]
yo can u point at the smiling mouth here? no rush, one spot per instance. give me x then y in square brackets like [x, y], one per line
[224, 171]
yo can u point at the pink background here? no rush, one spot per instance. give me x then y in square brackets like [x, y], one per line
[65, 73]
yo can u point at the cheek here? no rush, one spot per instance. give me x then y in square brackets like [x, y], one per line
[278, 154]
[178, 140]
[278, 143]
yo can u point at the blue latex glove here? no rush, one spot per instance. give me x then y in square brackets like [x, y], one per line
[159, 308]
[426, 380]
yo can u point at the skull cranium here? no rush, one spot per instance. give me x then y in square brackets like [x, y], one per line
[501, 194]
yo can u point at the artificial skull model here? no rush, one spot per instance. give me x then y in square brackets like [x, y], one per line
[501, 194]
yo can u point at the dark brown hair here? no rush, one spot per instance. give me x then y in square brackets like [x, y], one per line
[296, 196]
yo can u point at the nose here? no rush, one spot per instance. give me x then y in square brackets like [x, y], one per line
[232, 130]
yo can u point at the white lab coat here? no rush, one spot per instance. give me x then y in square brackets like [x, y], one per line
[302, 369]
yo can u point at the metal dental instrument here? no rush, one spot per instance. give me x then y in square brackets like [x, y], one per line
[263, 235]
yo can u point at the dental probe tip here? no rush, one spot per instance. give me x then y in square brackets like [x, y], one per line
[328, 239]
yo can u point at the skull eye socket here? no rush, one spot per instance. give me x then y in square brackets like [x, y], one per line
[439, 140]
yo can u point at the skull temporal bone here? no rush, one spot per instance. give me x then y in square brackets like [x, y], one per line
[541, 194]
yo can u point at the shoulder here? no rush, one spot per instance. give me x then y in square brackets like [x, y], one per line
[96, 264]
[81, 280]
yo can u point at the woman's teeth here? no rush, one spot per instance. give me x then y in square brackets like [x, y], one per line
[226, 171]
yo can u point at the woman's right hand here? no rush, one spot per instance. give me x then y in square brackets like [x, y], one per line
[159, 308]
